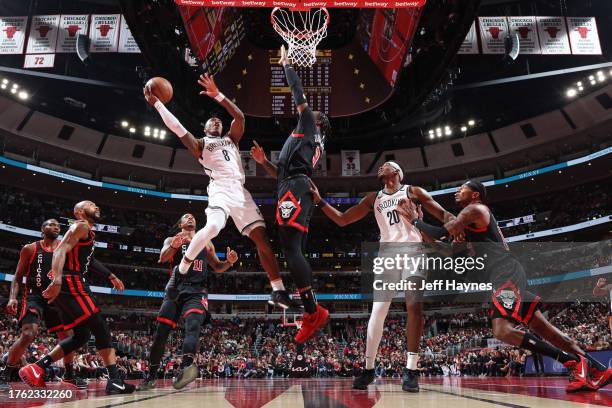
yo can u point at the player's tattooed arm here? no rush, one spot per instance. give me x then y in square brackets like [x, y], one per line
[22, 267]
[259, 155]
[210, 89]
[430, 205]
[215, 263]
[474, 214]
[353, 214]
[600, 289]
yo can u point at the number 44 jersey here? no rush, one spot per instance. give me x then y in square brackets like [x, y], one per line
[393, 228]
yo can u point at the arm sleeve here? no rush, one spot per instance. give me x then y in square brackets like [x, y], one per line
[100, 268]
[295, 84]
[170, 120]
[431, 230]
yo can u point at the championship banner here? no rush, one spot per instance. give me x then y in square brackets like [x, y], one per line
[43, 34]
[320, 170]
[470, 42]
[127, 43]
[583, 35]
[493, 30]
[104, 32]
[292, 4]
[12, 34]
[350, 162]
[248, 163]
[527, 31]
[70, 27]
[553, 35]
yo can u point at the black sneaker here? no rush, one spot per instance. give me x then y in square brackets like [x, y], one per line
[366, 378]
[147, 385]
[118, 386]
[187, 375]
[410, 380]
[76, 382]
[281, 299]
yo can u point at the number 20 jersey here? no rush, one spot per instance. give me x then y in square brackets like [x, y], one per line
[393, 228]
[221, 159]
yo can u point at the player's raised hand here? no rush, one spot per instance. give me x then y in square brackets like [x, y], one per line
[177, 241]
[208, 83]
[11, 306]
[316, 196]
[231, 256]
[117, 283]
[151, 99]
[284, 59]
[257, 153]
[408, 210]
[601, 282]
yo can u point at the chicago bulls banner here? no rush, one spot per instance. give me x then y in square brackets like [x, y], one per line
[70, 27]
[583, 35]
[350, 162]
[126, 39]
[43, 34]
[527, 31]
[12, 34]
[104, 32]
[470, 43]
[553, 35]
[248, 163]
[492, 33]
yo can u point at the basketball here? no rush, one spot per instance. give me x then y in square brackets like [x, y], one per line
[161, 88]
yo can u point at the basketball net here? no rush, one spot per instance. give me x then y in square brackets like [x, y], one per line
[302, 31]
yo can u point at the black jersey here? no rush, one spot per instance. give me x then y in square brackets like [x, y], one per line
[79, 257]
[489, 241]
[197, 273]
[38, 275]
[302, 149]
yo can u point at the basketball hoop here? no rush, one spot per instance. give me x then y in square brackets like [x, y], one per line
[297, 320]
[302, 31]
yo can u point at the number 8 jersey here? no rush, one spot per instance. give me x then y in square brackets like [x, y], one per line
[221, 159]
[393, 228]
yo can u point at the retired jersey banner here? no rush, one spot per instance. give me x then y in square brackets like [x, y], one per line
[553, 35]
[104, 32]
[470, 43]
[493, 30]
[12, 34]
[70, 27]
[527, 31]
[350, 162]
[584, 38]
[127, 43]
[248, 163]
[292, 4]
[43, 34]
[39, 61]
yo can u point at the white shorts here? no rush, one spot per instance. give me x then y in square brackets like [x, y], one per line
[236, 202]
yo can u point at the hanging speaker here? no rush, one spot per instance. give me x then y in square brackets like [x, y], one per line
[82, 48]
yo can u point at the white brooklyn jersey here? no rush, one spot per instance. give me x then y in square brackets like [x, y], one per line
[393, 228]
[221, 159]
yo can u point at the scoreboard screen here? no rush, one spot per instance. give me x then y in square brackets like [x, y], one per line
[316, 82]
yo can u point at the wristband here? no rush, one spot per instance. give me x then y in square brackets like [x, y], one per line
[220, 97]
[322, 203]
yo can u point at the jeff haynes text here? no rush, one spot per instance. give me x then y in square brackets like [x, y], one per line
[438, 284]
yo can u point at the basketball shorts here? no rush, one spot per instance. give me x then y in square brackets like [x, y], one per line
[295, 205]
[236, 202]
[35, 308]
[75, 301]
[182, 303]
[510, 299]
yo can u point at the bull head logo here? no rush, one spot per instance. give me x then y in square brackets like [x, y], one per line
[10, 31]
[43, 30]
[583, 31]
[495, 31]
[72, 30]
[286, 208]
[552, 31]
[523, 31]
[507, 297]
[104, 29]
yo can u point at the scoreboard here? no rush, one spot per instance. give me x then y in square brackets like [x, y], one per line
[316, 82]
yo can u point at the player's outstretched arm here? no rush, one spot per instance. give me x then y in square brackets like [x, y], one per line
[99, 267]
[293, 80]
[431, 205]
[22, 267]
[353, 214]
[259, 155]
[189, 141]
[600, 289]
[210, 89]
[215, 263]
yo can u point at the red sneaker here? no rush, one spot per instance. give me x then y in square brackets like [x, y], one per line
[578, 375]
[312, 323]
[599, 378]
[33, 375]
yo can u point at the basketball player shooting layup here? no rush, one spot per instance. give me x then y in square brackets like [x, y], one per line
[392, 229]
[511, 303]
[296, 162]
[227, 197]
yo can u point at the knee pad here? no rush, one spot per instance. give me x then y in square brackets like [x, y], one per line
[80, 336]
[193, 322]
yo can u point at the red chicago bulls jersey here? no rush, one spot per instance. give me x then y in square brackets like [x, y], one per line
[38, 276]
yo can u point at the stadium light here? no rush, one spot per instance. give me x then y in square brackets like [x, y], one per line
[438, 130]
[23, 95]
[432, 136]
[3, 86]
[471, 122]
[132, 130]
[15, 86]
[579, 83]
[124, 123]
[600, 73]
[448, 132]
[580, 88]
[591, 77]
[162, 135]
[601, 78]
[593, 82]
[13, 90]
[5, 81]
[446, 128]
[431, 131]
[571, 93]
[464, 128]
[147, 128]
